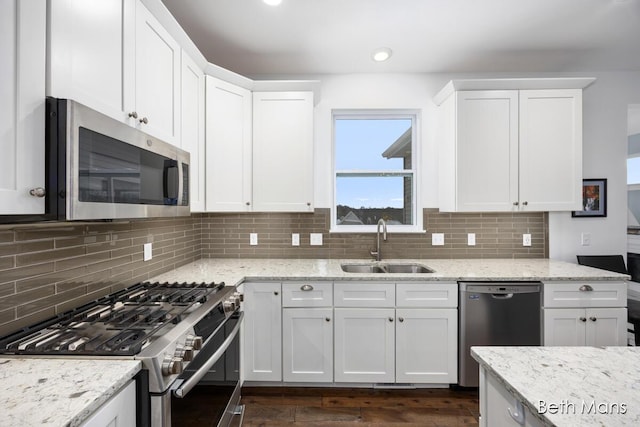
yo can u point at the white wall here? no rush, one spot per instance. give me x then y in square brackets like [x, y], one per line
[604, 150]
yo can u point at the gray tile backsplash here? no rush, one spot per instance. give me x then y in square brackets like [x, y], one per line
[47, 269]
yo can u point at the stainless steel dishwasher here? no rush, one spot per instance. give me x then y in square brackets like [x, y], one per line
[495, 313]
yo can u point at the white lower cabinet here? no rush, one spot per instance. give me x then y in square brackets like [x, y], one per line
[364, 345]
[500, 408]
[426, 345]
[307, 344]
[262, 332]
[588, 326]
[118, 411]
[577, 313]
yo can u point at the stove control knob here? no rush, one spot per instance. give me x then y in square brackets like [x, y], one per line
[187, 353]
[172, 366]
[229, 305]
[194, 342]
[238, 298]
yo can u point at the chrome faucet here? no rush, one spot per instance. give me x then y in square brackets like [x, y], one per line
[377, 253]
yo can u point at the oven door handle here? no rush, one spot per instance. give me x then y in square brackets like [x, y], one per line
[185, 387]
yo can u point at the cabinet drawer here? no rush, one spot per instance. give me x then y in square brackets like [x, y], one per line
[429, 294]
[307, 294]
[584, 294]
[364, 294]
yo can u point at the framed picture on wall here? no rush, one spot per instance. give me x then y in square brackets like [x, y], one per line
[594, 199]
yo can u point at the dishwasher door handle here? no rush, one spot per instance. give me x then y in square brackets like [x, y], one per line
[501, 296]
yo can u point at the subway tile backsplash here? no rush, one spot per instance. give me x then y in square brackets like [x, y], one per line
[46, 269]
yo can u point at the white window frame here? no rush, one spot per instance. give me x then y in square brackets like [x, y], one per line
[414, 115]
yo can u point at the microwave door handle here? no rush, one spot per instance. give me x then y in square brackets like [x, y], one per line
[171, 182]
[186, 386]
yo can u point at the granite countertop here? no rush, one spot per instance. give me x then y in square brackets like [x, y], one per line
[574, 379]
[234, 271]
[58, 392]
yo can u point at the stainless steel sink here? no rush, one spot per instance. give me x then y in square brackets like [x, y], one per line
[376, 267]
[362, 268]
[407, 268]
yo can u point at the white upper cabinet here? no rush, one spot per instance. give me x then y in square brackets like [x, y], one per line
[92, 54]
[511, 150]
[114, 56]
[22, 95]
[192, 125]
[228, 141]
[283, 151]
[157, 82]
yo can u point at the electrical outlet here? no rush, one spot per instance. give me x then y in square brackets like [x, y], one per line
[253, 239]
[295, 239]
[526, 239]
[437, 239]
[586, 239]
[471, 239]
[147, 251]
[315, 239]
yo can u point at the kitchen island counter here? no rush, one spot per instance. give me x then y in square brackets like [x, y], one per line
[58, 392]
[235, 271]
[567, 386]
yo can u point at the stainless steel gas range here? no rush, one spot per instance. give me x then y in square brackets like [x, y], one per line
[185, 334]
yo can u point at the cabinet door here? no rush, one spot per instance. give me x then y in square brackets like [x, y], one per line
[192, 125]
[551, 150]
[262, 332]
[118, 411]
[157, 78]
[364, 345]
[22, 87]
[307, 344]
[92, 54]
[426, 345]
[606, 326]
[564, 326]
[228, 125]
[487, 150]
[283, 151]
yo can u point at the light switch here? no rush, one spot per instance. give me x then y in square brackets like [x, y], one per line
[147, 251]
[295, 239]
[586, 239]
[253, 239]
[471, 239]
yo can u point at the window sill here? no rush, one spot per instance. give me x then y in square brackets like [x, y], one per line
[372, 229]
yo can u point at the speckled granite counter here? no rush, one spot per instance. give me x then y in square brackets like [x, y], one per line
[58, 392]
[233, 271]
[574, 378]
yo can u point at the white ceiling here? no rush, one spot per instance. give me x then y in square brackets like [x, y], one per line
[338, 36]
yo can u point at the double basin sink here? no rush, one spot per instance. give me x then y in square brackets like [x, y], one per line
[383, 267]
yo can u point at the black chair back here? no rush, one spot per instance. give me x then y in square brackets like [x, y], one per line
[604, 262]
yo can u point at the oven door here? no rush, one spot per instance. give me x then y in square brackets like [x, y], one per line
[209, 389]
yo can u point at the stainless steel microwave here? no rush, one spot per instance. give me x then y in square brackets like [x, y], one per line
[100, 169]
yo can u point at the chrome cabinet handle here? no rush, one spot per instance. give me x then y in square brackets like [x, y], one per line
[583, 319]
[133, 114]
[306, 288]
[593, 319]
[38, 192]
[585, 288]
[144, 120]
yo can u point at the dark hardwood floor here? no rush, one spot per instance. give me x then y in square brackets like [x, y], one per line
[359, 407]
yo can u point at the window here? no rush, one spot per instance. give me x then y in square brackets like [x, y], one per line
[374, 171]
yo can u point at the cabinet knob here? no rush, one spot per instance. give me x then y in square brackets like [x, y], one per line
[38, 192]
[328, 319]
[525, 203]
[583, 319]
[390, 319]
[275, 292]
[400, 319]
[593, 319]
[248, 203]
[306, 288]
[133, 114]
[585, 288]
[144, 120]
[516, 203]
[308, 203]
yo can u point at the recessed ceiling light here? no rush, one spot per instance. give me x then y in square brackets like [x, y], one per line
[381, 54]
[272, 2]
